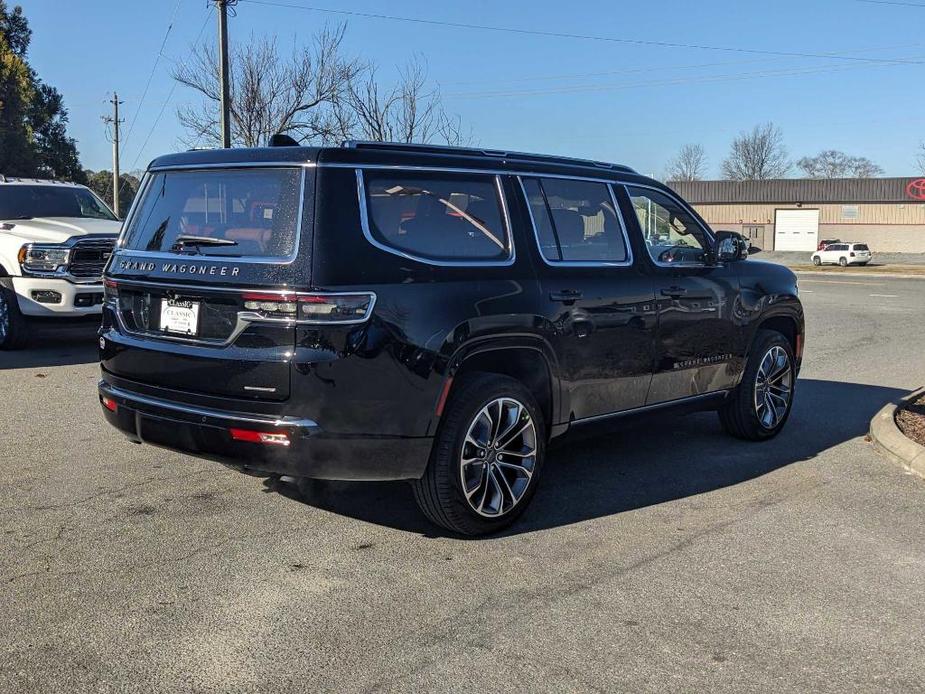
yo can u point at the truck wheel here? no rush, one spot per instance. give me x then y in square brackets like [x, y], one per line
[487, 457]
[12, 323]
[759, 407]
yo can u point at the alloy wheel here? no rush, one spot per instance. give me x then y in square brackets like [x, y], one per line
[498, 457]
[773, 387]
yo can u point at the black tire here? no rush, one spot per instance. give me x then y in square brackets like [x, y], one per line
[439, 493]
[738, 414]
[817, 261]
[13, 328]
[843, 262]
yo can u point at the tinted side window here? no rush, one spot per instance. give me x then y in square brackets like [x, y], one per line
[576, 221]
[672, 235]
[437, 216]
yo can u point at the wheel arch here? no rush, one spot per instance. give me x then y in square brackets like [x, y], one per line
[530, 362]
[787, 324]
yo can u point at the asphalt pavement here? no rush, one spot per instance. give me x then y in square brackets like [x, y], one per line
[665, 557]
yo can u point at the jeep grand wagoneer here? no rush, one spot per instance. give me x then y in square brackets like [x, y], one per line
[382, 311]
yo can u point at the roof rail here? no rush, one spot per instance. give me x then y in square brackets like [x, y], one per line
[475, 151]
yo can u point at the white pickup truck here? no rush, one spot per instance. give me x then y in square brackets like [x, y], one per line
[55, 239]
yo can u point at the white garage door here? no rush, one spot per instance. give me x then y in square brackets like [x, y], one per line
[796, 230]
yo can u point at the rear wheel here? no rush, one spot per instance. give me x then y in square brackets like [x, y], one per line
[487, 457]
[12, 323]
[843, 262]
[760, 406]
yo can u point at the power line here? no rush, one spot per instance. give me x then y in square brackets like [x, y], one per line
[157, 58]
[648, 69]
[893, 2]
[173, 88]
[786, 72]
[565, 35]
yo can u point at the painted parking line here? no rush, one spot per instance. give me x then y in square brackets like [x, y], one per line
[866, 284]
[887, 296]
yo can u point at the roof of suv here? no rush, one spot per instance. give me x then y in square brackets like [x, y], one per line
[5, 180]
[373, 153]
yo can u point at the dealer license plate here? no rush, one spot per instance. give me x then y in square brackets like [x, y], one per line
[179, 317]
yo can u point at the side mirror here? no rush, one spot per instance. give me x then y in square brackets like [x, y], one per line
[730, 247]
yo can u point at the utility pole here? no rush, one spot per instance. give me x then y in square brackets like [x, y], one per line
[115, 121]
[222, 6]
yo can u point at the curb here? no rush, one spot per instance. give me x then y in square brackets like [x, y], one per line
[889, 440]
[879, 275]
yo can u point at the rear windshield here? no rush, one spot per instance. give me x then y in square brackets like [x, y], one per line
[25, 202]
[220, 212]
[861, 247]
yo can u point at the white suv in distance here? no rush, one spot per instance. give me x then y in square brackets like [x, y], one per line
[55, 239]
[843, 254]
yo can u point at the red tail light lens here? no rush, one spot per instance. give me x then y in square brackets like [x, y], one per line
[109, 403]
[313, 308]
[262, 437]
[110, 290]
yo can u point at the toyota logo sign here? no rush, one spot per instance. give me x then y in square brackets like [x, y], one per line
[916, 189]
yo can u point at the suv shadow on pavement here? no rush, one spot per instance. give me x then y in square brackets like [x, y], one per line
[632, 468]
[56, 344]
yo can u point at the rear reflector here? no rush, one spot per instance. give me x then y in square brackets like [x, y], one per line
[259, 437]
[109, 403]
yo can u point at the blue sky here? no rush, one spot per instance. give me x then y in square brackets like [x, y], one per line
[541, 93]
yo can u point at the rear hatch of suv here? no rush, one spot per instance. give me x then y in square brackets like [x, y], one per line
[201, 292]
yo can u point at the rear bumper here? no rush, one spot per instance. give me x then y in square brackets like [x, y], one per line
[312, 452]
[70, 293]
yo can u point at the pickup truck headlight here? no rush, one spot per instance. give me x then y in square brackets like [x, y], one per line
[34, 257]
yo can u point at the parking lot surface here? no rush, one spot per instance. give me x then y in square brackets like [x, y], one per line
[667, 556]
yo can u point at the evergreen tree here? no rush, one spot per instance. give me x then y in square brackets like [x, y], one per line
[33, 120]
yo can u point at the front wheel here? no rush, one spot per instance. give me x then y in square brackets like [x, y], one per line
[817, 261]
[759, 407]
[487, 457]
[12, 323]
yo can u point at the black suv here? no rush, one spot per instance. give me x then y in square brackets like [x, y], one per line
[383, 311]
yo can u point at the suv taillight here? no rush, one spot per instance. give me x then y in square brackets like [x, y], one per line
[311, 307]
[851, 254]
[110, 290]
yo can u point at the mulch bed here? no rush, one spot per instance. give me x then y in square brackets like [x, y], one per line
[911, 420]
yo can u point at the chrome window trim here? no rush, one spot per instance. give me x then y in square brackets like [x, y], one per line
[707, 233]
[579, 263]
[255, 259]
[367, 232]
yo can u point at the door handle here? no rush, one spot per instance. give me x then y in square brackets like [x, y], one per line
[566, 296]
[674, 292]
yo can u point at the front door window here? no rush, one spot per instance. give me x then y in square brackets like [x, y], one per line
[672, 236]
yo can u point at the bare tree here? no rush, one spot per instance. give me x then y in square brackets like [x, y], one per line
[920, 158]
[689, 165]
[757, 155]
[409, 111]
[831, 163]
[270, 93]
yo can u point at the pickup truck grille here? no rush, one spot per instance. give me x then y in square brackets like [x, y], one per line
[88, 258]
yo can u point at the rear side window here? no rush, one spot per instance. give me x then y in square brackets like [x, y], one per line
[220, 212]
[575, 221]
[437, 216]
[861, 247]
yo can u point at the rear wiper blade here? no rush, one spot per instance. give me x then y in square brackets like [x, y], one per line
[185, 240]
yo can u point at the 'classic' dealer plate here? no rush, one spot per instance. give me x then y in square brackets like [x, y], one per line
[180, 317]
